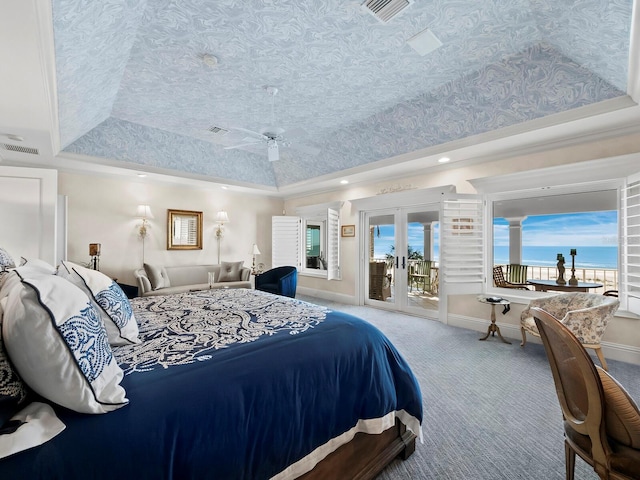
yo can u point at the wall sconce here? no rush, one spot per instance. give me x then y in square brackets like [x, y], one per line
[254, 251]
[143, 212]
[94, 253]
[221, 219]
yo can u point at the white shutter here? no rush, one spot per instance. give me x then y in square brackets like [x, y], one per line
[630, 245]
[462, 240]
[285, 241]
[333, 244]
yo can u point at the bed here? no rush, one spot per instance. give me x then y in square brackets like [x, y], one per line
[241, 384]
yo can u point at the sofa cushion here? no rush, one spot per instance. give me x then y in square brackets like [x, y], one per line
[157, 276]
[229, 271]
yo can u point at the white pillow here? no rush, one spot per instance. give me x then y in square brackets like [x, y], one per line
[45, 267]
[108, 298]
[58, 345]
[6, 262]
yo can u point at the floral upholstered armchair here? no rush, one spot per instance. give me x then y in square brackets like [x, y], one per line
[585, 314]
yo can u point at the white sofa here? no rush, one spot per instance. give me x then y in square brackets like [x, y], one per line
[160, 280]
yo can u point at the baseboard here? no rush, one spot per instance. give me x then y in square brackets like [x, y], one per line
[613, 351]
[325, 295]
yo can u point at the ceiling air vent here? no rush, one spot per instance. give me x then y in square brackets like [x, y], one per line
[385, 10]
[17, 148]
[219, 131]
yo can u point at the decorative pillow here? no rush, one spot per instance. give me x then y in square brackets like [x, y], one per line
[6, 262]
[621, 412]
[157, 276]
[13, 391]
[109, 300]
[58, 345]
[230, 271]
[39, 264]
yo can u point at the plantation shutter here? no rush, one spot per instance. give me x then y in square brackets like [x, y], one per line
[630, 244]
[462, 240]
[333, 244]
[285, 241]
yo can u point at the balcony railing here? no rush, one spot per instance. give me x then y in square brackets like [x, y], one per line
[606, 276]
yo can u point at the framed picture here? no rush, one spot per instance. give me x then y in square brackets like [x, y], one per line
[348, 230]
[184, 230]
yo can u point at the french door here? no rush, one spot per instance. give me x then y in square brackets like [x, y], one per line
[401, 268]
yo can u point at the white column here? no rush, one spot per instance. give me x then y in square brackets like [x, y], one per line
[515, 239]
[428, 240]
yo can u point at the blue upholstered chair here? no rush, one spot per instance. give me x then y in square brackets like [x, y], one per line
[279, 280]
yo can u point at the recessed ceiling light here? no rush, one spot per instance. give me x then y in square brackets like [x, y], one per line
[142, 175]
[224, 187]
[344, 182]
[444, 159]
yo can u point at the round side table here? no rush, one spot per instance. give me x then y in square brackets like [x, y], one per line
[493, 328]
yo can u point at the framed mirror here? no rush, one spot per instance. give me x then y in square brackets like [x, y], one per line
[184, 230]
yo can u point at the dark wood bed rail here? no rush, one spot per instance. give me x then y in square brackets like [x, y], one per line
[366, 455]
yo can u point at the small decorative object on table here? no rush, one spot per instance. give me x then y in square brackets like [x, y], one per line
[573, 280]
[560, 280]
[94, 253]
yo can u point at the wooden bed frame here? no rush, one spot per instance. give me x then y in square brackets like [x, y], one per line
[366, 455]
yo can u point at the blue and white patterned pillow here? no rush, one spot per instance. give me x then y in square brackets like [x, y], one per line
[13, 391]
[58, 344]
[6, 262]
[108, 298]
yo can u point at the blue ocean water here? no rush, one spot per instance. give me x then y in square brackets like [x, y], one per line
[586, 257]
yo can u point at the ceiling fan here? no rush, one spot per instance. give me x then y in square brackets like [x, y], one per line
[272, 136]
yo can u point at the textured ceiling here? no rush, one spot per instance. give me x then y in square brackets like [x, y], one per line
[133, 86]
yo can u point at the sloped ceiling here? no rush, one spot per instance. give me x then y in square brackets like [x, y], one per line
[133, 85]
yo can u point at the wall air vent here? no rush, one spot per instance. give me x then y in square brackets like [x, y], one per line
[385, 10]
[219, 131]
[17, 148]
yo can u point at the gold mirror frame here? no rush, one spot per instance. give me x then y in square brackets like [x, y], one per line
[184, 230]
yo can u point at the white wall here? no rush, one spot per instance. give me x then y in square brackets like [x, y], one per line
[28, 213]
[102, 210]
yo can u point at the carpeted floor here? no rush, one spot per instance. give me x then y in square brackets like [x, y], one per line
[490, 409]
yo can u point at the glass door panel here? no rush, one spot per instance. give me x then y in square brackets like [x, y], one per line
[380, 284]
[423, 248]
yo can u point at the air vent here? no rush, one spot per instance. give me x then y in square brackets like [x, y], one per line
[385, 10]
[16, 148]
[219, 131]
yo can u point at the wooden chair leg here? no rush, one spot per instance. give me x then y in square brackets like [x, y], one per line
[600, 355]
[570, 460]
[524, 336]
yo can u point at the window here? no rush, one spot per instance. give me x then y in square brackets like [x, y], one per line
[310, 241]
[589, 209]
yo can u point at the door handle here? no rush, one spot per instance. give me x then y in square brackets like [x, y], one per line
[403, 264]
[396, 261]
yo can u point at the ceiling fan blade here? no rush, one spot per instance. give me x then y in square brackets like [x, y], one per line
[252, 133]
[241, 145]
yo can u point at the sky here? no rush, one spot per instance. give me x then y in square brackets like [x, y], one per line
[586, 229]
[573, 229]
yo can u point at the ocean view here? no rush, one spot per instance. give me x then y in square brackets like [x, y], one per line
[587, 257]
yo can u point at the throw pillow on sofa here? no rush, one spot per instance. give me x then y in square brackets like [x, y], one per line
[158, 276]
[230, 271]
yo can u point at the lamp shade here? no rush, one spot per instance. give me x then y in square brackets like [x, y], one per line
[255, 250]
[144, 211]
[222, 217]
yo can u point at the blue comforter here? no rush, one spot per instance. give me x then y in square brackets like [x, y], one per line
[232, 384]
